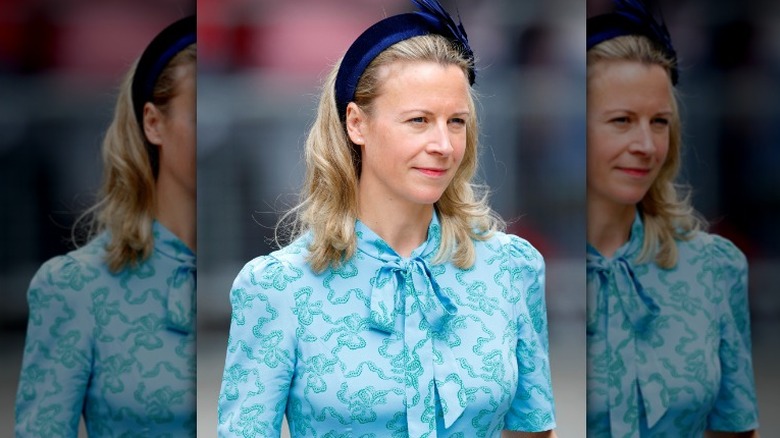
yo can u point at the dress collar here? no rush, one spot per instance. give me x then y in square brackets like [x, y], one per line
[369, 243]
[629, 250]
[171, 246]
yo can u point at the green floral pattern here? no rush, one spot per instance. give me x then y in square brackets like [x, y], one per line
[669, 349]
[118, 349]
[386, 346]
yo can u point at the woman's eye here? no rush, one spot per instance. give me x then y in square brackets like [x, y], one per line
[458, 121]
[619, 120]
[661, 121]
[417, 120]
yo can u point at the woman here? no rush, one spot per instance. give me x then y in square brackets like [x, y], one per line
[111, 325]
[399, 309]
[668, 325]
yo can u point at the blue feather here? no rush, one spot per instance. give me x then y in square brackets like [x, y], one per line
[639, 11]
[433, 11]
[634, 17]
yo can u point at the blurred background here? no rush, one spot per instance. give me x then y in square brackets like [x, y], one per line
[260, 66]
[729, 56]
[61, 63]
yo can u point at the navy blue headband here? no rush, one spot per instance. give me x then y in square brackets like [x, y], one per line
[633, 17]
[172, 40]
[430, 19]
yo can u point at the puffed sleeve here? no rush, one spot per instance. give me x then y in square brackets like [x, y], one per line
[735, 408]
[533, 408]
[261, 351]
[58, 356]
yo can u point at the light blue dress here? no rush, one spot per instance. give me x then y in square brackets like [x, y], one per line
[117, 348]
[386, 346]
[669, 349]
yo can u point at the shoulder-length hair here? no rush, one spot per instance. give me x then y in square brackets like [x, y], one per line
[666, 208]
[329, 200]
[126, 201]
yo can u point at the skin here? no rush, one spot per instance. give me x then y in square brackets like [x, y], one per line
[629, 108]
[173, 132]
[629, 111]
[515, 434]
[412, 142]
[748, 434]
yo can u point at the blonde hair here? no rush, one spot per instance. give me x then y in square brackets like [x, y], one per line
[666, 208]
[329, 199]
[126, 201]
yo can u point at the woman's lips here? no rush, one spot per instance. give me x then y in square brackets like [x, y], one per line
[432, 172]
[636, 172]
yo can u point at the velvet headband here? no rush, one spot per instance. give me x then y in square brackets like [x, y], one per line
[633, 17]
[430, 19]
[172, 40]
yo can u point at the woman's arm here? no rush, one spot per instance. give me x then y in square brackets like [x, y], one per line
[58, 350]
[735, 406]
[748, 434]
[261, 353]
[533, 406]
[545, 434]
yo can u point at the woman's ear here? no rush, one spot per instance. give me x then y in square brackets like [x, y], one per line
[153, 124]
[355, 124]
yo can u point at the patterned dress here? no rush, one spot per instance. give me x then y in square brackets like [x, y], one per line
[669, 349]
[117, 348]
[386, 346]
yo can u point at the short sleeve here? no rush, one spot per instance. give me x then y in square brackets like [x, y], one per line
[735, 407]
[57, 360]
[260, 356]
[533, 408]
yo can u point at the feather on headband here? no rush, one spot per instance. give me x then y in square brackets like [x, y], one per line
[438, 17]
[634, 17]
[430, 19]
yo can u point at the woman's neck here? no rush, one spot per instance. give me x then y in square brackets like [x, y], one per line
[175, 209]
[609, 225]
[402, 226]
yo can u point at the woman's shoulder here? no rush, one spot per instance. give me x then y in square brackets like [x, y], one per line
[721, 251]
[278, 268]
[514, 247]
[74, 270]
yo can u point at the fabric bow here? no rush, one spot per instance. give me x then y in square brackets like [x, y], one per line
[636, 304]
[409, 286]
[180, 306]
[632, 357]
[395, 276]
[180, 311]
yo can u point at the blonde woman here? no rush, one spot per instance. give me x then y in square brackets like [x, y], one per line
[399, 309]
[668, 324]
[111, 326]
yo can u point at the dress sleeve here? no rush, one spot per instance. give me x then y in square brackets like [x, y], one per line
[735, 407]
[260, 356]
[58, 356]
[533, 408]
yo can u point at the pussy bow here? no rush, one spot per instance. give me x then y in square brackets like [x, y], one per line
[180, 305]
[633, 361]
[405, 297]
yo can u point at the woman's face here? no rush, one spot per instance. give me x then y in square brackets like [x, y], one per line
[414, 138]
[628, 117]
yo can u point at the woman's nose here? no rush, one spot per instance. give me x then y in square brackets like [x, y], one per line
[441, 142]
[643, 140]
